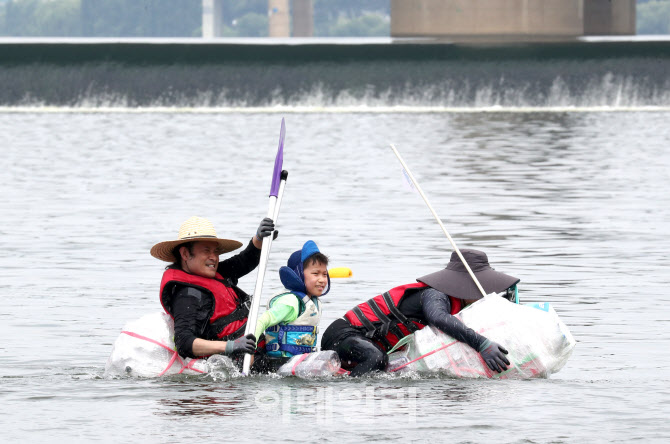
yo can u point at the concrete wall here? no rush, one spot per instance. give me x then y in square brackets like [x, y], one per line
[303, 18]
[510, 19]
[609, 17]
[212, 18]
[486, 17]
[279, 18]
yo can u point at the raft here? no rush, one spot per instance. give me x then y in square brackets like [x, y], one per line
[538, 342]
[539, 345]
[145, 348]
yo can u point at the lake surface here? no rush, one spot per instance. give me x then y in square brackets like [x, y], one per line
[575, 203]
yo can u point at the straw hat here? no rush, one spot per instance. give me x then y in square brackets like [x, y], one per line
[457, 282]
[193, 230]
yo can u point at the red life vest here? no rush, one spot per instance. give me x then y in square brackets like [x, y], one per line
[383, 320]
[230, 312]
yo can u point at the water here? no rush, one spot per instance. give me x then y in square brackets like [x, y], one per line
[575, 203]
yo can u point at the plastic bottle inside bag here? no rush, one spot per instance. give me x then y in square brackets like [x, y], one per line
[221, 367]
[311, 365]
[398, 360]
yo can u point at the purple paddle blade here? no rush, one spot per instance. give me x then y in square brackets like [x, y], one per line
[279, 160]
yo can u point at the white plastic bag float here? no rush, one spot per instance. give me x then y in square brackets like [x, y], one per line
[539, 343]
[145, 348]
[313, 365]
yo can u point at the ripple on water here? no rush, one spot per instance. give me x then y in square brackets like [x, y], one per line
[573, 203]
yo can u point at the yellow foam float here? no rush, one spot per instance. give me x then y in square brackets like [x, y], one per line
[340, 272]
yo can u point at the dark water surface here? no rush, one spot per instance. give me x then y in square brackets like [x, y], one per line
[574, 203]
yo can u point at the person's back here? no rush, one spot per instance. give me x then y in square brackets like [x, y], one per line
[367, 332]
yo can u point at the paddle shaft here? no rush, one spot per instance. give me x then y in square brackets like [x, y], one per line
[273, 213]
[439, 221]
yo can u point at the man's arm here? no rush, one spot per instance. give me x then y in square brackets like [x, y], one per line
[244, 262]
[241, 264]
[191, 309]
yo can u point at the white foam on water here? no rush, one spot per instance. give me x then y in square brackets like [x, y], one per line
[326, 109]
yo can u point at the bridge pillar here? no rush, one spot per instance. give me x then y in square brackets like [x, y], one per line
[495, 20]
[279, 23]
[609, 17]
[212, 18]
[303, 18]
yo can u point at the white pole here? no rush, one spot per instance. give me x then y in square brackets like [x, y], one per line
[439, 221]
[273, 213]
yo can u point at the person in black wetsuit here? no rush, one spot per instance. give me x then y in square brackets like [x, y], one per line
[201, 294]
[366, 333]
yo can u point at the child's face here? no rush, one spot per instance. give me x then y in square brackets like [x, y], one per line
[316, 278]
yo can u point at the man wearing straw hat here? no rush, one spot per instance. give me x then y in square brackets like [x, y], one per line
[367, 332]
[201, 294]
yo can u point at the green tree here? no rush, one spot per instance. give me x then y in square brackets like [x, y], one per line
[41, 18]
[179, 18]
[141, 18]
[234, 10]
[245, 18]
[248, 18]
[653, 17]
[252, 25]
[331, 18]
[368, 25]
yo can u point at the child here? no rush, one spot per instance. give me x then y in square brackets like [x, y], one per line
[290, 323]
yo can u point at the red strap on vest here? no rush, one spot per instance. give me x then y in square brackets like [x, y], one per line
[226, 300]
[364, 315]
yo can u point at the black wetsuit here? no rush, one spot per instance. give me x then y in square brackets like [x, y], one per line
[192, 308]
[428, 306]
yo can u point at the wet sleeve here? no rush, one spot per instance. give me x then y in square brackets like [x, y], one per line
[241, 264]
[190, 308]
[436, 308]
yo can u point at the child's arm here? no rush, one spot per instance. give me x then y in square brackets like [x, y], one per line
[278, 313]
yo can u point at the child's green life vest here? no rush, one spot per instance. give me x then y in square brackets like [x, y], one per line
[298, 336]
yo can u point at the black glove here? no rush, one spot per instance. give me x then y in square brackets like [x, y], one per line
[494, 356]
[245, 344]
[266, 227]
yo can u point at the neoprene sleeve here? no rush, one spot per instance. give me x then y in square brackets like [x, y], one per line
[436, 308]
[191, 309]
[241, 264]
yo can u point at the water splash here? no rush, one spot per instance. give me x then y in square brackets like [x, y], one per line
[466, 81]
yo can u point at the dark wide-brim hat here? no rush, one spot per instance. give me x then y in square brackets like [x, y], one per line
[456, 282]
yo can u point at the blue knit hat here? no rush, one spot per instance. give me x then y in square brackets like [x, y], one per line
[293, 274]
